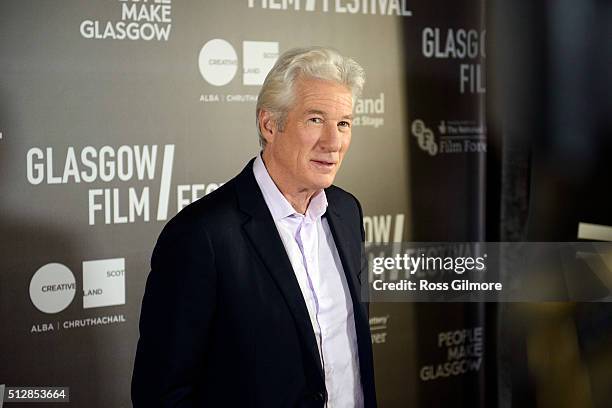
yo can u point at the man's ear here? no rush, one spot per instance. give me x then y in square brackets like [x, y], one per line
[267, 125]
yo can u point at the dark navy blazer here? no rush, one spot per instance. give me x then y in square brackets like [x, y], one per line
[223, 321]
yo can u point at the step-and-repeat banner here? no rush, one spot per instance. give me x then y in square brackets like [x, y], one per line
[116, 114]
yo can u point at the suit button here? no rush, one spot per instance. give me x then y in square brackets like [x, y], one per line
[319, 396]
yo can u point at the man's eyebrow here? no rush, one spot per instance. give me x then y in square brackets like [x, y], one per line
[319, 112]
[314, 112]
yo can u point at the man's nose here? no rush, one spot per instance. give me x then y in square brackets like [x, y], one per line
[331, 139]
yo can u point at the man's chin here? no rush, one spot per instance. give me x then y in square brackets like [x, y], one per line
[318, 182]
[325, 183]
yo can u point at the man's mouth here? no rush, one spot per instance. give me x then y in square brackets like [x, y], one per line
[324, 163]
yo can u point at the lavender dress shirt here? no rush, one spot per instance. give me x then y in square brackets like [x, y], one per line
[319, 272]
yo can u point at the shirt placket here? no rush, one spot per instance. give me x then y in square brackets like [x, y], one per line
[307, 242]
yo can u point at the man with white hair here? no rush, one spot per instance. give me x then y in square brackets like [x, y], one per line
[253, 296]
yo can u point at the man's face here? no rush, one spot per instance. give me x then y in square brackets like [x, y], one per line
[308, 152]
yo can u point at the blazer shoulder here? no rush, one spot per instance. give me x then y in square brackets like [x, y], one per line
[207, 213]
[220, 201]
[342, 199]
[346, 203]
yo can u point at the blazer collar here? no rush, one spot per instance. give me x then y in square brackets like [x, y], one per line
[252, 203]
[262, 232]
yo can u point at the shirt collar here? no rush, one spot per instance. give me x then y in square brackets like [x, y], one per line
[277, 203]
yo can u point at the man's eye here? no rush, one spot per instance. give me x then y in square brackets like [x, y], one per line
[344, 124]
[316, 120]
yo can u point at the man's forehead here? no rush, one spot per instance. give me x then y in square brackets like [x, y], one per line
[321, 96]
[305, 85]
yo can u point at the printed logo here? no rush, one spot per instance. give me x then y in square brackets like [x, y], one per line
[124, 200]
[425, 137]
[218, 62]
[378, 328]
[383, 8]
[455, 136]
[370, 111]
[103, 283]
[52, 288]
[463, 352]
[144, 21]
[382, 229]
[462, 44]
[258, 59]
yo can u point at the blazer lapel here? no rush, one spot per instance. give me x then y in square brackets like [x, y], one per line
[264, 237]
[348, 249]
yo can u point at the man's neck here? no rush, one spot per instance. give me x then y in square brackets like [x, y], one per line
[299, 199]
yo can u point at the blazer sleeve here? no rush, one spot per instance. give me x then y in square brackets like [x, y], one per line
[362, 229]
[176, 318]
[363, 263]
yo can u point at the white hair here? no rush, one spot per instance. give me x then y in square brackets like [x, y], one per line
[277, 93]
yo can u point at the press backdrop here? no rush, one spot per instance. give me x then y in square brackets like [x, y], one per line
[114, 115]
